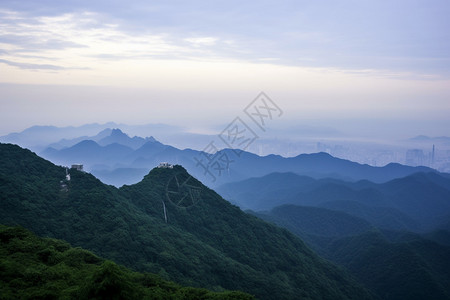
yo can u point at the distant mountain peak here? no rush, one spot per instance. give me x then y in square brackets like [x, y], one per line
[189, 232]
[105, 132]
[116, 132]
[316, 155]
[421, 137]
[157, 172]
[87, 143]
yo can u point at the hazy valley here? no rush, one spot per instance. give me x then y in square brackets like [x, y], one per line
[365, 220]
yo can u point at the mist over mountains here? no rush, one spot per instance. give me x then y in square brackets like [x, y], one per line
[393, 236]
[147, 227]
[118, 159]
[368, 220]
[38, 138]
[235, 150]
[421, 150]
[416, 202]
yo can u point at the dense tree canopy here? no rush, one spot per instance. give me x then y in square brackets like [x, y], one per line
[211, 244]
[38, 268]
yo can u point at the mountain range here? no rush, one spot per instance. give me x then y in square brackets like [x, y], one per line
[169, 224]
[371, 242]
[418, 202]
[327, 231]
[103, 138]
[392, 264]
[119, 159]
[38, 138]
[287, 142]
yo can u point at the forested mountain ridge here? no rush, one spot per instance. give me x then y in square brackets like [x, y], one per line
[405, 268]
[417, 202]
[395, 265]
[361, 226]
[205, 242]
[43, 268]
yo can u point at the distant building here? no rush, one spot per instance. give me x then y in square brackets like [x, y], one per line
[165, 165]
[415, 157]
[432, 156]
[78, 167]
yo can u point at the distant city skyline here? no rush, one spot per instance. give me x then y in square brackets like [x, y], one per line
[372, 69]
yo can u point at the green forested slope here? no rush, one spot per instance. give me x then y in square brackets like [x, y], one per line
[395, 265]
[412, 269]
[210, 244]
[43, 268]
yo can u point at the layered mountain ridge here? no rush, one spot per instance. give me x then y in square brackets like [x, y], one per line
[204, 242]
[119, 159]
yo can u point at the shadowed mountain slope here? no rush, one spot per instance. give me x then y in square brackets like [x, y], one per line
[43, 268]
[205, 242]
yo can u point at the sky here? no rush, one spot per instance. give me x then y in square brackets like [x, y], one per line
[367, 68]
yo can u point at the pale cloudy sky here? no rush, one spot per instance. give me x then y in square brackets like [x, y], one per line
[365, 67]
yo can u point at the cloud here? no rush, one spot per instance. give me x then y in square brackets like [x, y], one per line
[400, 37]
[28, 66]
[181, 60]
[202, 41]
[83, 35]
[31, 66]
[34, 43]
